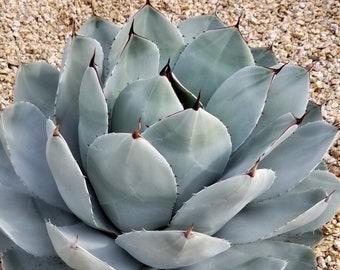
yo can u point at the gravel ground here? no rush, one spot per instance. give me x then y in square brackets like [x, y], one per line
[300, 31]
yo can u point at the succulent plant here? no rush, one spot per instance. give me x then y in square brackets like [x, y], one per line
[159, 146]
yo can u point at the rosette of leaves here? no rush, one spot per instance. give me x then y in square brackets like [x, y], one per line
[158, 146]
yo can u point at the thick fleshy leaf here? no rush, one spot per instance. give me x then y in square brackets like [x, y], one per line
[328, 182]
[93, 113]
[258, 143]
[22, 221]
[246, 86]
[310, 239]
[302, 152]
[77, 57]
[147, 100]
[197, 146]
[261, 263]
[134, 183]
[24, 129]
[215, 205]
[104, 32]
[84, 248]
[285, 212]
[72, 254]
[8, 176]
[297, 256]
[70, 181]
[138, 60]
[151, 24]
[191, 28]
[37, 83]
[17, 259]
[291, 81]
[263, 56]
[171, 249]
[210, 59]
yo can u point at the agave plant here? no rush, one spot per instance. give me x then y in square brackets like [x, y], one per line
[159, 146]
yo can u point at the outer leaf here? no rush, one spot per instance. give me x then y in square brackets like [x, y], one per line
[171, 249]
[147, 100]
[93, 113]
[104, 32]
[264, 263]
[134, 183]
[215, 205]
[328, 182]
[263, 56]
[151, 24]
[72, 254]
[37, 83]
[191, 28]
[291, 81]
[84, 248]
[71, 182]
[24, 129]
[210, 59]
[310, 239]
[76, 60]
[138, 60]
[19, 260]
[302, 151]
[259, 143]
[285, 212]
[8, 176]
[297, 256]
[197, 146]
[249, 85]
[23, 222]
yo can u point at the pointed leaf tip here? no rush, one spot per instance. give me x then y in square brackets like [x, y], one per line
[329, 196]
[188, 233]
[197, 104]
[136, 134]
[56, 132]
[131, 32]
[74, 244]
[166, 70]
[92, 62]
[277, 70]
[252, 171]
[237, 25]
[299, 120]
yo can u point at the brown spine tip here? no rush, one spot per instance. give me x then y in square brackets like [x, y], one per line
[197, 104]
[92, 62]
[298, 121]
[147, 3]
[329, 196]
[252, 171]
[237, 25]
[136, 134]
[277, 70]
[56, 132]
[166, 70]
[188, 233]
[73, 245]
[74, 30]
[132, 31]
[310, 67]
